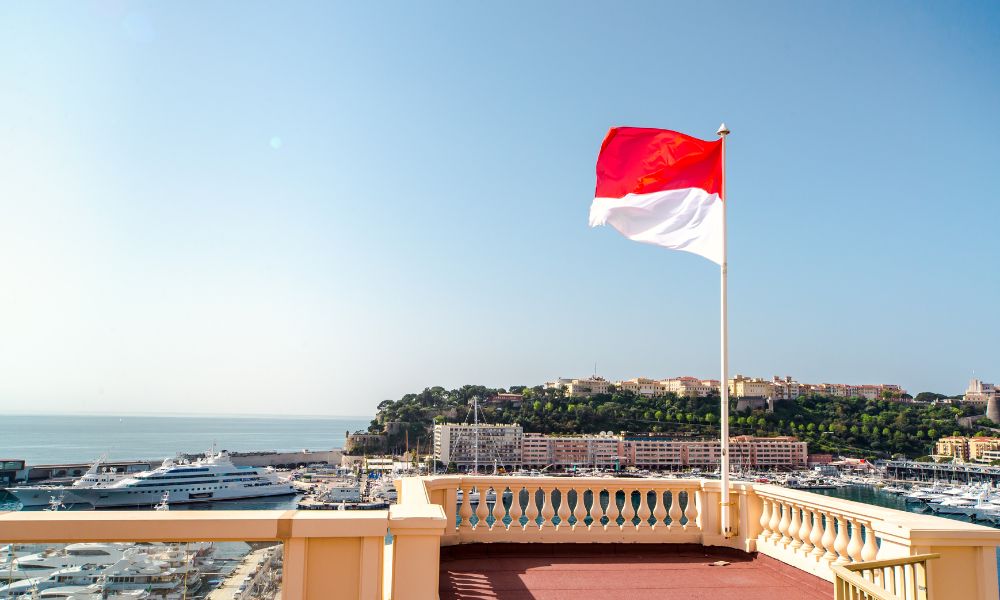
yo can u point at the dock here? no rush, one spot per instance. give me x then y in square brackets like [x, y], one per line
[258, 576]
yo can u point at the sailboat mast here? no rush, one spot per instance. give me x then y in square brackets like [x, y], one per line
[475, 433]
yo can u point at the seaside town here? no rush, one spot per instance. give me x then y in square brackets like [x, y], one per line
[959, 478]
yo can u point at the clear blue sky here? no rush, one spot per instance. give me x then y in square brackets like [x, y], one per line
[268, 208]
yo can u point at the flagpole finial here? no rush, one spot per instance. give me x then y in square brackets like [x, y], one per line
[723, 130]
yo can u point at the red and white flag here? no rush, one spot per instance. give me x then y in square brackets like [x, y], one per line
[661, 187]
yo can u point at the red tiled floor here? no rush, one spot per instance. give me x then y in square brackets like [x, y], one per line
[618, 572]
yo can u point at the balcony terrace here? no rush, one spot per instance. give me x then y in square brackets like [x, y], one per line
[554, 537]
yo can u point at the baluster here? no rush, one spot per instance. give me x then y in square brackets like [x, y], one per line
[840, 544]
[854, 547]
[691, 510]
[816, 534]
[580, 510]
[659, 511]
[497, 512]
[783, 524]
[564, 511]
[794, 526]
[765, 520]
[598, 511]
[515, 508]
[465, 512]
[628, 511]
[829, 539]
[547, 510]
[481, 509]
[804, 531]
[775, 520]
[532, 510]
[870, 550]
[675, 510]
[644, 512]
[613, 511]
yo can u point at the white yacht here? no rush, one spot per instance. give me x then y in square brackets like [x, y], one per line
[208, 479]
[90, 592]
[41, 495]
[162, 576]
[75, 576]
[342, 492]
[43, 564]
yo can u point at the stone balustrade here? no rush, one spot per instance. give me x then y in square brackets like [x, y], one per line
[577, 509]
[813, 532]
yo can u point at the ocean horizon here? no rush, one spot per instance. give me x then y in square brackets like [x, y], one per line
[52, 439]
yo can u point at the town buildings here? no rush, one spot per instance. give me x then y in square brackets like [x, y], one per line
[967, 449]
[980, 393]
[581, 388]
[510, 447]
[740, 386]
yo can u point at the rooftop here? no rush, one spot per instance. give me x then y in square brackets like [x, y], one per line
[619, 571]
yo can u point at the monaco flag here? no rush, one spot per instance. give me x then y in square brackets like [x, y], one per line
[661, 187]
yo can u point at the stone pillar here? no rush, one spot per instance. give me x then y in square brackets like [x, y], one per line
[993, 409]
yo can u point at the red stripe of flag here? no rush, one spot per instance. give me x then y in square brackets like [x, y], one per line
[640, 160]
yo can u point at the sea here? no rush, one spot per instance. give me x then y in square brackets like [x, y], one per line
[82, 438]
[49, 439]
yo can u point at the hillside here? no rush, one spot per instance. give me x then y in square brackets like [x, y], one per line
[851, 426]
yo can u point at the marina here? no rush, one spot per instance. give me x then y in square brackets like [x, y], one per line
[157, 571]
[207, 479]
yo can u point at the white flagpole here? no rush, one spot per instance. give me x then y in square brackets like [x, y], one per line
[724, 504]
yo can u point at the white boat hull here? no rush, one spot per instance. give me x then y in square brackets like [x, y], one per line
[30, 497]
[125, 497]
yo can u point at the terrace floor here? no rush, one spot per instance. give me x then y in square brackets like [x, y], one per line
[619, 571]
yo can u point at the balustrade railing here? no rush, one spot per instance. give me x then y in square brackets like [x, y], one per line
[813, 530]
[893, 579]
[870, 549]
[577, 509]
[824, 536]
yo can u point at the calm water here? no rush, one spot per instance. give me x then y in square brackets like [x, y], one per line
[58, 439]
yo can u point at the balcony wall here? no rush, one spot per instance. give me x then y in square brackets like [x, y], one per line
[344, 554]
[809, 531]
[328, 554]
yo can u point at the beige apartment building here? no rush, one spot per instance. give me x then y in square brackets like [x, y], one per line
[648, 452]
[641, 386]
[747, 387]
[967, 449]
[955, 447]
[497, 445]
[600, 451]
[690, 387]
[978, 446]
[581, 388]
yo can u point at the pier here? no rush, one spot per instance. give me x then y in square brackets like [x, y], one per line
[911, 471]
[258, 577]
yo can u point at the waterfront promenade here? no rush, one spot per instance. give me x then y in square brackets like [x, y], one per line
[253, 578]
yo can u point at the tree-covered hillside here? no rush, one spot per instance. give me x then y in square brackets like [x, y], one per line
[852, 426]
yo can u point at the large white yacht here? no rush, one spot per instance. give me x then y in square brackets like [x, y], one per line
[208, 479]
[43, 564]
[42, 495]
[69, 576]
